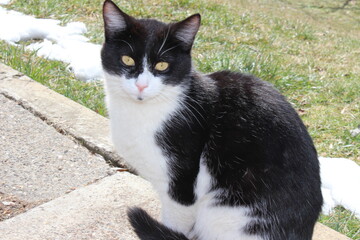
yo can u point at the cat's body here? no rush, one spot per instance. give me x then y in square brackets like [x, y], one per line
[228, 156]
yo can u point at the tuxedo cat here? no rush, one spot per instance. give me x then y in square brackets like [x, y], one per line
[227, 154]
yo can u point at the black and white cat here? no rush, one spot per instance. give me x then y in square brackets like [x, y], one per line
[227, 154]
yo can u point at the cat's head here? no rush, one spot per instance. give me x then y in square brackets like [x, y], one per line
[142, 58]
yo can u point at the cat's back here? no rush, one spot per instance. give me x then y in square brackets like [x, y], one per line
[251, 112]
[247, 99]
[247, 90]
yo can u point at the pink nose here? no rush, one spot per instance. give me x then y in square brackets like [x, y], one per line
[141, 86]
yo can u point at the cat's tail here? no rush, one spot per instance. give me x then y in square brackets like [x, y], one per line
[148, 228]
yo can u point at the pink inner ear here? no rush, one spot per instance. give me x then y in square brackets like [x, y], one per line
[113, 17]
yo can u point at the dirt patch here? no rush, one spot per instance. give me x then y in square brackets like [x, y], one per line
[11, 206]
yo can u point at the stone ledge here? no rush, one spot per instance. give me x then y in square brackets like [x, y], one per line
[96, 212]
[83, 124]
[67, 116]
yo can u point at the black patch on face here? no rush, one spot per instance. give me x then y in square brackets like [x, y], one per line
[149, 38]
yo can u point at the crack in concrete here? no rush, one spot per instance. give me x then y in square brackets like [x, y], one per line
[110, 157]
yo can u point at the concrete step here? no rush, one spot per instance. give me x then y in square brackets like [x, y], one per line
[96, 211]
[38, 163]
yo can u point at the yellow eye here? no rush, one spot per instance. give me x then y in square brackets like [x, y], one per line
[128, 61]
[161, 66]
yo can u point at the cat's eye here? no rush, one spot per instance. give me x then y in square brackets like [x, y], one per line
[128, 61]
[162, 66]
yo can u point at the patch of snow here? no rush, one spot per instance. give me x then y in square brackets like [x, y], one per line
[340, 184]
[83, 57]
[355, 131]
[6, 203]
[4, 2]
[62, 43]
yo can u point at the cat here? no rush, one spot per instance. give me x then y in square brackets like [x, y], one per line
[227, 154]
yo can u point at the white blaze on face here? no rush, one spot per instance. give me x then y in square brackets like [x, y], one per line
[142, 83]
[145, 86]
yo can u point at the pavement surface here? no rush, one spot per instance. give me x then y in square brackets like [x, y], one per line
[57, 176]
[38, 163]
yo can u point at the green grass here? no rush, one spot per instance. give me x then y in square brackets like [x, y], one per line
[309, 50]
[342, 221]
[54, 75]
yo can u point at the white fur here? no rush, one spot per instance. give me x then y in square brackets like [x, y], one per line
[116, 22]
[222, 222]
[176, 216]
[203, 181]
[204, 219]
[127, 88]
[217, 222]
[134, 124]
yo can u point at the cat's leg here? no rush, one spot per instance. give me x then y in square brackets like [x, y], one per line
[176, 216]
[222, 222]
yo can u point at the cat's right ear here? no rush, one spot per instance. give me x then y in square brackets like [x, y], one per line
[115, 20]
[185, 31]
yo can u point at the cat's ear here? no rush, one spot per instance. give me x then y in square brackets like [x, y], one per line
[115, 20]
[185, 31]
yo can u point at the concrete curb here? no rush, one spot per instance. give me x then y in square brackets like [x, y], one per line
[97, 211]
[67, 116]
[323, 232]
[38, 163]
[92, 131]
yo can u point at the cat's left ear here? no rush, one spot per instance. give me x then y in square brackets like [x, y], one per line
[185, 31]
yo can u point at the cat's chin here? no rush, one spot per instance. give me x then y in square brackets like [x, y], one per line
[141, 99]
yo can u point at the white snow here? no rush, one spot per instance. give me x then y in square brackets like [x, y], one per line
[340, 184]
[4, 2]
[340, 177]
[63, 43]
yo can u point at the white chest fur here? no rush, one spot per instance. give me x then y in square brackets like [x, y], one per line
[134, 125]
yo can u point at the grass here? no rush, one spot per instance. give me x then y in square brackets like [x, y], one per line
[54, 75]
[308, 49]
[342, 221]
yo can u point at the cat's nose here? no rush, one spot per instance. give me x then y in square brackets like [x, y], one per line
[141, 86]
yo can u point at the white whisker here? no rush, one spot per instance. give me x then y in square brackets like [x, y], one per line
[194, 101]
[184, 115]
[128, 45]
[186, 107]
[189, 110]
[169, 49]
[189, 104]
[166, 37]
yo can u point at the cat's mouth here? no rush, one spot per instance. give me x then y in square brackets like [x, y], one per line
[142, 97]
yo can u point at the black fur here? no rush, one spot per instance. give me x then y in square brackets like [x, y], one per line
[184, 140]
[256, 148]
[252, 141]
[148, 228]
[264, 158]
